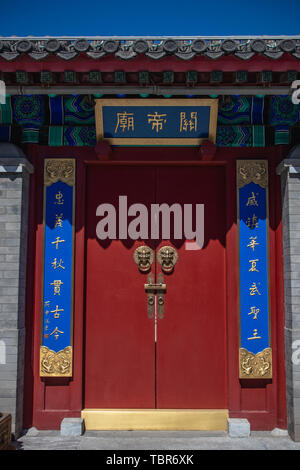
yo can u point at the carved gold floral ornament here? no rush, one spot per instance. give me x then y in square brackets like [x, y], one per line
[56, 364]
[258, 366]
[59, 169]
[252, 171]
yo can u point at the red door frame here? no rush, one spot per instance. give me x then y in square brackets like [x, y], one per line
[218, 396]
[48, 401]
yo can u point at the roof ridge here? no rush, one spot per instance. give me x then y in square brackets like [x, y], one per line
[154, 37]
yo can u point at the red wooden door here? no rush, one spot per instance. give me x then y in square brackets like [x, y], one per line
[191, 355]
[177, 361]
[120, 359]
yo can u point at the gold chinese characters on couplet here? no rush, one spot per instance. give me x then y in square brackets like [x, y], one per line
[253, 365]
[57, 363]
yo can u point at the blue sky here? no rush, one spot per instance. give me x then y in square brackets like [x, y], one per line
[149, 17]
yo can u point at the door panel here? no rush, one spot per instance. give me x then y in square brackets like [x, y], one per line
[185, 368]
[191, 356]
[120, 357]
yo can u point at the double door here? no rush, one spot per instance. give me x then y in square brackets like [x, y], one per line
[155, 331]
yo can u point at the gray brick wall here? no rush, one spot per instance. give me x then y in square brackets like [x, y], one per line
[14, 193]
[290, 190]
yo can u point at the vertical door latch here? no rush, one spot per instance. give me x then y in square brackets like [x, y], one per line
[153, 289]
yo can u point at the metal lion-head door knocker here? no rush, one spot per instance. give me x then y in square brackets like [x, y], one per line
[143, 257]
[167, 257]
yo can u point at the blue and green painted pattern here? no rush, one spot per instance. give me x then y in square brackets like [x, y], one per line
[243, 121]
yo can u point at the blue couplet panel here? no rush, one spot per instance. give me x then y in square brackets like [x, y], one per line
[254, 279]
[58, 258]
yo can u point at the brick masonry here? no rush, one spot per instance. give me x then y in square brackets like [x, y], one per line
[14, 194]
[290, 190]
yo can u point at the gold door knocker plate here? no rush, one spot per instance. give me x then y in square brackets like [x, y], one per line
[160, 297]
[150, 297]
[167, 257]
[143, 257]
[159, 288]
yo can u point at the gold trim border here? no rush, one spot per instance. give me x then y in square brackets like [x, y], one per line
[58, 169]
[255, 171]
[155, 419]
[212, 103]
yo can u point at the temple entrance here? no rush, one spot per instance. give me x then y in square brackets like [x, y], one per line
[155, 331]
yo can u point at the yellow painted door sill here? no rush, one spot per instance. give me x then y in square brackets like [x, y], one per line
[154, 420]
